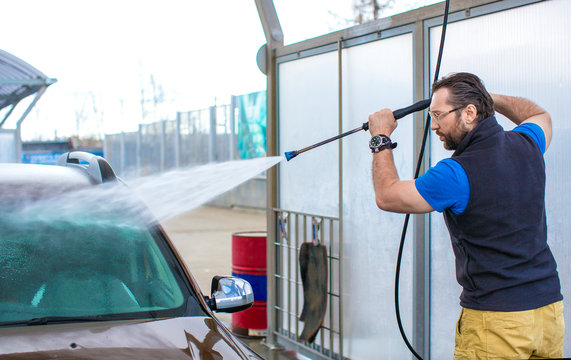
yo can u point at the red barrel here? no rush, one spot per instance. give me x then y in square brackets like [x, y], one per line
[249, 263]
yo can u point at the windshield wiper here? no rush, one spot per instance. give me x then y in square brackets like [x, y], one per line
[58, 319]
[62, 319]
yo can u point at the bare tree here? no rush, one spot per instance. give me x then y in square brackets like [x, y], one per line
[80, 111]
[363, 11]
[144, 111]
[370, 10]
[84, 109]
[151, 93]
[88, 113]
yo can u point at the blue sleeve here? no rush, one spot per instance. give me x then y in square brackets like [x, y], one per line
[445, 186]
[535, 132]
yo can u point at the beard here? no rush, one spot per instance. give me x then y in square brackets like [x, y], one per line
[451, 142]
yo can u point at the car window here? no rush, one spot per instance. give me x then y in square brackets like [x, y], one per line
[86, 266]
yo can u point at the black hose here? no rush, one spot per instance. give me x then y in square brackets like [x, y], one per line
[416, 173]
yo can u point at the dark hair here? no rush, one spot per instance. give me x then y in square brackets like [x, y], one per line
[465, 89]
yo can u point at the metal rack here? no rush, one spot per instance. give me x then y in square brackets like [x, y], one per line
[293, 229]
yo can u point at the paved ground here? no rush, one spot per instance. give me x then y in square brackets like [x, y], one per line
[204, 239]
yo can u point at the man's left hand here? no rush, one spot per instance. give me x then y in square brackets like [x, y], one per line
[382, 122]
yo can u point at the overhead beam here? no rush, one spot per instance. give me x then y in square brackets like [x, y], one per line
[468, 7]
[270, 22]
[28, 82]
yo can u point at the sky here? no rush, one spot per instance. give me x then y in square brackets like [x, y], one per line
[108, 55]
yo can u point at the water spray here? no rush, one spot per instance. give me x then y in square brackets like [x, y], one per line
[400, 113]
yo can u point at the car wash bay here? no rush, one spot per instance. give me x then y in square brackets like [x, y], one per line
[327, 85]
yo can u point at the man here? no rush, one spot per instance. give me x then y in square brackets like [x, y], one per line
[492, 194]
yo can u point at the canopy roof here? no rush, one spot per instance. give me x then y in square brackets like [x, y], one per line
[18, 79]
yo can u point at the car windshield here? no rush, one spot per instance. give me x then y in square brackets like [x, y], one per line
[87, 266]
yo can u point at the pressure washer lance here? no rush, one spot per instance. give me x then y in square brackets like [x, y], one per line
[400, 113]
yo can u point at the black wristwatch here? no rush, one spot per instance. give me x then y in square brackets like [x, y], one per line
[381, 142]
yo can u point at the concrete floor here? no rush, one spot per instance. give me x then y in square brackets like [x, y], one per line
[204, 239]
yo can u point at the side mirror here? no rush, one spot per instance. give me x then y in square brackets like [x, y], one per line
[230, 294]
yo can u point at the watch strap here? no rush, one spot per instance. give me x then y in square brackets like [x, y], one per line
[386, 144]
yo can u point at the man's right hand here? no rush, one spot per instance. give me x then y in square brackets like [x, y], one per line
[382, 122]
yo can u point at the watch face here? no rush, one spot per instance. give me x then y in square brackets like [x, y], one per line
[376, 141]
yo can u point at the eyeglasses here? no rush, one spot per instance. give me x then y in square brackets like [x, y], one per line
[442, 115]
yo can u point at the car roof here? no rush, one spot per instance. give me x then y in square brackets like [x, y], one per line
[41, 174]
[31, 180]
[74, 170]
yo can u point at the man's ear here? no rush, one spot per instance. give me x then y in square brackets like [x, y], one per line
[471, 114]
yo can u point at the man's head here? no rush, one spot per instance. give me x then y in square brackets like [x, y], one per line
[459, 102]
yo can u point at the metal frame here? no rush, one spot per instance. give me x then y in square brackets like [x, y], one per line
[274, 40]
[21, 80]
[340, 235]
[293, 230]
[418, 22]
[30, 85]
[37, 97]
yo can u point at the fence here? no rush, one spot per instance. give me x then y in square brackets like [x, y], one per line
[194, 138]
[295, 229]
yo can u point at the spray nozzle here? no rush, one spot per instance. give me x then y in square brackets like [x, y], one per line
[290, 155]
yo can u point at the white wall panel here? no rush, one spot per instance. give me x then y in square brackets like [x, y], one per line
[308, 113]
[524, 52]
[375, 75]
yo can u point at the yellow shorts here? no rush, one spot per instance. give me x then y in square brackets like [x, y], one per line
[530, 334]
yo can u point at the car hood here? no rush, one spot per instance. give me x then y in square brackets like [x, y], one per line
[178, 338]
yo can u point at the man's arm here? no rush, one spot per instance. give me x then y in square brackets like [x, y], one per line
[391, 194]
[520, 111]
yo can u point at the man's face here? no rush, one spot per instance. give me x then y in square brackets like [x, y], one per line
[446, 122]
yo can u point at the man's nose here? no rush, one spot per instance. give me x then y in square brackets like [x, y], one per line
[433, 125]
